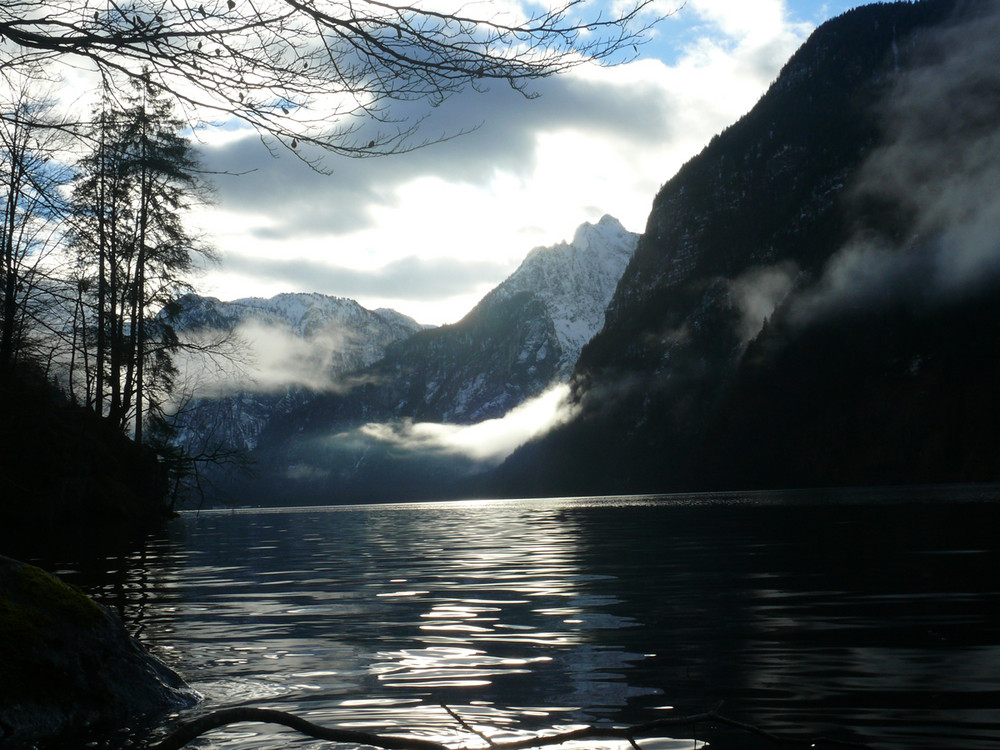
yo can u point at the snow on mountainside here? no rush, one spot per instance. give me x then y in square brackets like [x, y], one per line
[351, 335]
[575, 281]
[292, 344]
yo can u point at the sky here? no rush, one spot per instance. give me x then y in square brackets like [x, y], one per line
[430, 232]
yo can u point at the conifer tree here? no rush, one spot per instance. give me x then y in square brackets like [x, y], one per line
[130, 200]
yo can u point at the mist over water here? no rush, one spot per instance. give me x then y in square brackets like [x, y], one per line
[870, 616]
[487, 442]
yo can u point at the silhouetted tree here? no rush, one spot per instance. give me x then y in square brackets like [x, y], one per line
[129, 200]
[31, 202]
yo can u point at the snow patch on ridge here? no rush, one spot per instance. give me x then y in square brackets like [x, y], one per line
[575, 280]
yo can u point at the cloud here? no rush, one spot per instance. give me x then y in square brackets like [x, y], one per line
[742, 19]
[934, 180]
[257, 357]
[644, 104]
[282, 360]
[503, 124]
[758, 292]
[526, 173]
[488, 442]
[411, 277]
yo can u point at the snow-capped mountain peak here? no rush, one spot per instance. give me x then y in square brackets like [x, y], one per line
[304, 314]
[575, 280]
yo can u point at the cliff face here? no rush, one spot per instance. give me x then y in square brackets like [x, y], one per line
[797, 267]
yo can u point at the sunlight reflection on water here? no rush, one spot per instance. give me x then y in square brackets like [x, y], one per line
[344, 610]
[875, 622]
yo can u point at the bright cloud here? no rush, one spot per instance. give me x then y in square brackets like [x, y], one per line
[596, 141]
[488, 442]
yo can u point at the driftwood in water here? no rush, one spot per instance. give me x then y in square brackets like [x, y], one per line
[188, 731]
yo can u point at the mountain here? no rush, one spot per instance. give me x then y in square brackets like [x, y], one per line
[280, 352]
[350, 335]
[522, 337]
[575, 282]
[814, 298]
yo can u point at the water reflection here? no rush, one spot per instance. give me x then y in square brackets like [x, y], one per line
[373, 617]
[868, 621]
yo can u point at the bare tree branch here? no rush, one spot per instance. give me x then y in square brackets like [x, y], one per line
[313, 72]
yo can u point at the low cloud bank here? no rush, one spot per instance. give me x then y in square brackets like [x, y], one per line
[488, 442]
[261, 358]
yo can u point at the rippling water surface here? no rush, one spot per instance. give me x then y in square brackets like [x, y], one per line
[872, 617]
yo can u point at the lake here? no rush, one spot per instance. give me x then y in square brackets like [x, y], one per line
[867, 616]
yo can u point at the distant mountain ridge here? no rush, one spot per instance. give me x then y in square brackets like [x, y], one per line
[363, 334]
[305, 312]
[521, 338]
[332, 336]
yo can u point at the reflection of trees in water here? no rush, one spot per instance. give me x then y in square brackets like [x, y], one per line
[131, 578]
[856, 620]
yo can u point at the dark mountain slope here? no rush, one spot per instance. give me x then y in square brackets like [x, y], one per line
[755, 227]
[915, 402]
[64, 470]
[353, 441]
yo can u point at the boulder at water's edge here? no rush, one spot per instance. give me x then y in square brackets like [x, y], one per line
[67, 664]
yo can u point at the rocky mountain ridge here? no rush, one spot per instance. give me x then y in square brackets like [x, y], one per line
[521, 338]
[575, 280]
[289, 346]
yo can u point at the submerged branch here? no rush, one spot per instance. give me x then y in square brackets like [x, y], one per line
[189, 731]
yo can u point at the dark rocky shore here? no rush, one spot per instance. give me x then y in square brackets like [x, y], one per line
[67, 664]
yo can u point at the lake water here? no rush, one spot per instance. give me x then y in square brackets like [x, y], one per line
[865, 616]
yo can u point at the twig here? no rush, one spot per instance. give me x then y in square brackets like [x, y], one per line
[468, 727]
[189, 731]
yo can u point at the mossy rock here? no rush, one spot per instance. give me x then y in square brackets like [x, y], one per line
[67, 665]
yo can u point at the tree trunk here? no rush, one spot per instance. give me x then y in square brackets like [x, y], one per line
[102, 259]
[10, 269]
[140, 283]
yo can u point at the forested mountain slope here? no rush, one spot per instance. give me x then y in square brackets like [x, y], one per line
[813, 300]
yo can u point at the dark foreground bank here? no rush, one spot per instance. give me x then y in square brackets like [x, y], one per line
[67, 665]
[64, 468]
